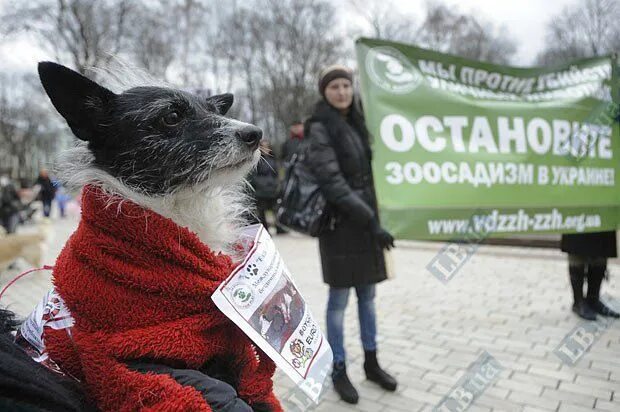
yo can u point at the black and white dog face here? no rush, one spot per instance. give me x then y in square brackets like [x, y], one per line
[154, 140]
[165, 149]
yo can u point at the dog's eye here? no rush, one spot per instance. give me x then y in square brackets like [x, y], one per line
[171, 119]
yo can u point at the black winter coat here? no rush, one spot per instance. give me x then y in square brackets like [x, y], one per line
[339, 157]
[9, 201]
[598, 244]
[264, 180]
[48, 191]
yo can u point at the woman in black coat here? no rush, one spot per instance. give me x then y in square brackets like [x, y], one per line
[352, 253]
[587, 258]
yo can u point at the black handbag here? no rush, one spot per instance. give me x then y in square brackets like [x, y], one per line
[302, 206]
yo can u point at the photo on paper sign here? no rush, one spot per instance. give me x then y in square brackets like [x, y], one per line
[280, 314]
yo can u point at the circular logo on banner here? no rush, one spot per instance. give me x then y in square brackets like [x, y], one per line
[242, 295]
[391, 70]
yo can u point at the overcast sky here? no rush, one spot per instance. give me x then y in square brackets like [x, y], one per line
[525, 20]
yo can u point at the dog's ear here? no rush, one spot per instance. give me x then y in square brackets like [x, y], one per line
[222, 102]
[81, 101]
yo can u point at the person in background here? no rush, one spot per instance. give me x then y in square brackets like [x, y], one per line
[587, 259]
[352, 254]
[62, 197]
[47, 191]
[264, 181]
[10, 204]
[290, 147]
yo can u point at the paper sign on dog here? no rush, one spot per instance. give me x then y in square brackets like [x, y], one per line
[261, 298]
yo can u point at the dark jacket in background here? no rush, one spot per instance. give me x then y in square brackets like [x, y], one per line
[10, 202]
[264, 180]
[290, 147]
[339, 156]
[48, 191]
[598, 244]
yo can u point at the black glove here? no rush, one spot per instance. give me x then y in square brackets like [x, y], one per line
[220, 396]
[382, 236]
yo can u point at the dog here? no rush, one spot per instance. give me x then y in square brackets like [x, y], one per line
[163, 177]
[165, 149]
[28, 246]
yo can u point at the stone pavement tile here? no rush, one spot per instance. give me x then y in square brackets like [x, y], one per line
[607, 405]
[458, 360]
[443, 378]
[540, 401]
[505, 357]
[396, 356]
[564, 375]
[458, 341]
[440, 389]
[329, 406]
[515, 385]
[548, 363]
[435, 366]
[563, 396]
[421, 396]
[431, 349]
[603, 357]
[586, 372]
[605, 365]
[528, 408]
[569, 407]
[414, 382]
[498, 404]
[367, 405]
[499, 393]
[368, 390]
[478, 408]
[483, 334]
[540, 380]
[513, 344]
[597, 383]
[399, 369]
[514, 365]
[601, 393]
[395, 401]
[542, 351]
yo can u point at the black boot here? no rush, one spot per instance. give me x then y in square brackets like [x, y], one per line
[595, 278]
[343, 385]
[580, 306]
[375, 374]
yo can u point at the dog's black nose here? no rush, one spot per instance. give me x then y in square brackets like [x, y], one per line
[250, 135]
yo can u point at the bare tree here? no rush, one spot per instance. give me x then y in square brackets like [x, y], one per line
[152, 39]
[87, 32]
[443, 29]
[447, 30]
[28, 137]
[589, 29]
[278, 53]
[385, 21]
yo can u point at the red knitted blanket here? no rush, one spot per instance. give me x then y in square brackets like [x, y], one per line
[139, 286]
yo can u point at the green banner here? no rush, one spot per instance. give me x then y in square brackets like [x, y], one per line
[464, 145]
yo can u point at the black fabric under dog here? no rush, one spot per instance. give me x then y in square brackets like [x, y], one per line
[27, 386]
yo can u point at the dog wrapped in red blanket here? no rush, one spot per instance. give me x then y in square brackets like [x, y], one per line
[162, 204]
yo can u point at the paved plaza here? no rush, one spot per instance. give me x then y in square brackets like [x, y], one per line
[512, 303]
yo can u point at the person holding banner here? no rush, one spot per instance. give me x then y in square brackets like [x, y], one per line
[352, 254]
[587, 259]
